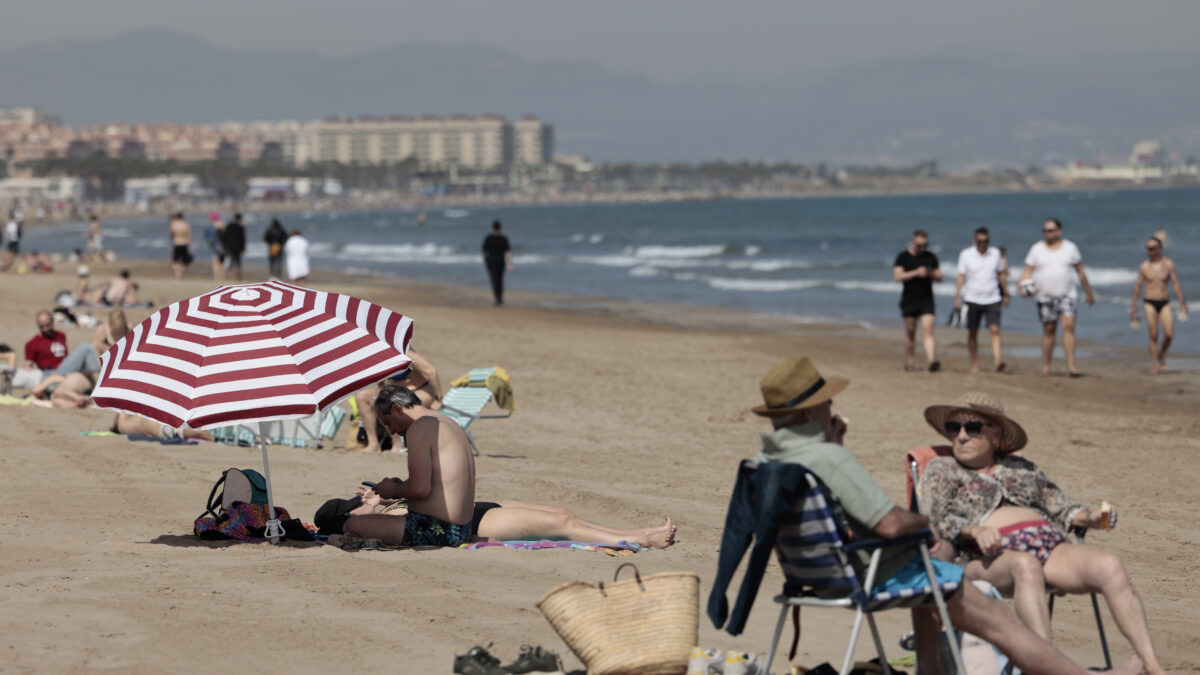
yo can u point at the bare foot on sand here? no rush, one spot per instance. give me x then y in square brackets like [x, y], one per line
[1132, 667]
[658, 537]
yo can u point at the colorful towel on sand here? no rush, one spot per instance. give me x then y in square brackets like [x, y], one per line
[617, 550]
[175, 440]
[609, 549]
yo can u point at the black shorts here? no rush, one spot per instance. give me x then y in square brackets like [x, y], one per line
[14, 247]
[918, 307]
[181, 254]
[977, 312]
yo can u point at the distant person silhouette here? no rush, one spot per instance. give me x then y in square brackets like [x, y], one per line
[275, 238]
[233, 239]
[497, 257]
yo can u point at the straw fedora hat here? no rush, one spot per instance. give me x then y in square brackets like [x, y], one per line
[796, 385]
[1012, 436]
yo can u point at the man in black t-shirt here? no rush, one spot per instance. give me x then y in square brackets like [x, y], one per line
[497, 256]
[917, 269]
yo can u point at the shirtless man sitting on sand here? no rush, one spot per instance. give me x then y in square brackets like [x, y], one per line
[1154, 273]
[440, 492]
[421, 379]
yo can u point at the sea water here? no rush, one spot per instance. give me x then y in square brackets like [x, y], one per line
[812, 259]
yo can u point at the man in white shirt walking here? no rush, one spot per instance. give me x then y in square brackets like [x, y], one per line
[1049, 265]
[982, 283]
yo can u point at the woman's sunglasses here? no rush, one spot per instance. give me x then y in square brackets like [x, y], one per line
[973, 428]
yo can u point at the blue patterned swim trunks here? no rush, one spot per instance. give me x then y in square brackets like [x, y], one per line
[423, 530]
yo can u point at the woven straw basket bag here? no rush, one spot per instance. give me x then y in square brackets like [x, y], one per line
[640, 626]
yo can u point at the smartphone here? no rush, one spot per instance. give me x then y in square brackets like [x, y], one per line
[369, 483]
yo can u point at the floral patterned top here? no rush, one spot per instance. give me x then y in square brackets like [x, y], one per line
[955, 496]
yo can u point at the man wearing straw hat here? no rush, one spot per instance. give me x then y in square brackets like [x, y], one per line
[799, 403]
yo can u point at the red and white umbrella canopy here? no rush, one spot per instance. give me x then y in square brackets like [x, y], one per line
[251, 353]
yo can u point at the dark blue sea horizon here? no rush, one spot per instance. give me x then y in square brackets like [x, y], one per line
[810, 259]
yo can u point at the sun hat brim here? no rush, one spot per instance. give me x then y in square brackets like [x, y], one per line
[833, 387]
[1012, 436]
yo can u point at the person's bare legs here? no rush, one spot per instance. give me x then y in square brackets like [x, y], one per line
[1068, 326]
[1152, 329]
[1017, 575]
[377, 526]
[1167, 320]
[997, 347]
[992, 620]
[1080, 569]
[1049, 329]
[973, 349]
[910, 344]
[517, 520]
[927, 340]
[365, 400]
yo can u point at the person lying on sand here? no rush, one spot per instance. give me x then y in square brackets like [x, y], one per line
[440, 491]
[58, 391]
[510, 520]
[126, 424]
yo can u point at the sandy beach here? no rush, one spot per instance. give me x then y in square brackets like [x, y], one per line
[625, 414]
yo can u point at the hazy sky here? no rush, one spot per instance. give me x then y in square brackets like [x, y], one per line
[668, 39]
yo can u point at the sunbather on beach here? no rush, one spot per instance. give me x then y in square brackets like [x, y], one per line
[440, 491]
[120, 291]
[510, 520]
[421, 379]
[799, 402]
[126, 424]
[58, 391]
[1007, 521]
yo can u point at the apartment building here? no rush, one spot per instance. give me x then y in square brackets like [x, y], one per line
[484, 142]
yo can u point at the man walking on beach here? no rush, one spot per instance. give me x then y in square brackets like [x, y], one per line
[799, 403]
[181, 245]
[233, 240]
[982, 282]
[1049, 265]
[1154, 274]
[497, 256]
[917, 268]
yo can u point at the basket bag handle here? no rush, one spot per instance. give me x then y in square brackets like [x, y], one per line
[636, 575]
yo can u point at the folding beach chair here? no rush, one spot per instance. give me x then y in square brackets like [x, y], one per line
[916, 461]
[305, 432]
[465, 402]
[813, 545]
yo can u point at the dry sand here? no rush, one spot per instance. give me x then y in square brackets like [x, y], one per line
[625, 413]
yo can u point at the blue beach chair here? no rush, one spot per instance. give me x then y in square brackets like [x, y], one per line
[813, 545]
[464, 403]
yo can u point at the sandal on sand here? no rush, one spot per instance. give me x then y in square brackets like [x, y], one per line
[909, 367]
[935, 366]
[1000, 368]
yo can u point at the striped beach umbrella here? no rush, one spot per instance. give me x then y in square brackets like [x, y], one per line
[251, 353]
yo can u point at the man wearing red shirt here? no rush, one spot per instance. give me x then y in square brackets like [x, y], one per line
[48, 348]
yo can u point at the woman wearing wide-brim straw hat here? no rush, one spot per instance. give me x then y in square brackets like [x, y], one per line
[1007, 521]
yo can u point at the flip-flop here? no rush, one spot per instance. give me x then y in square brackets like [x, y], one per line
[935, 366]
[1000, 368]
[1075, 374]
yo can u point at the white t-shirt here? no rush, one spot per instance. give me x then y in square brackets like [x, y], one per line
[295, 250]
[981, 285]
[12, 231]
[1054, 270]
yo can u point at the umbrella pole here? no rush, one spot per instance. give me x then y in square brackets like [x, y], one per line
[274, 527]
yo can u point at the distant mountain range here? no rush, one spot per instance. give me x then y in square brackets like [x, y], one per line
[958, 109]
